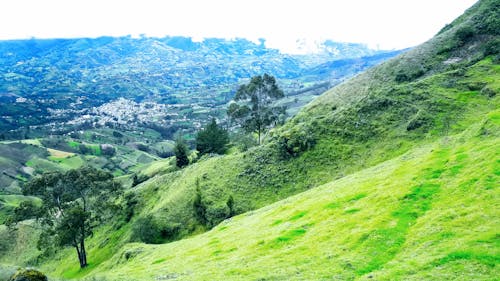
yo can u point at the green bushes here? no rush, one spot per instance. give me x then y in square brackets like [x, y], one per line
[153, 230]
[464, 34]
[28, 275]
[293, 142]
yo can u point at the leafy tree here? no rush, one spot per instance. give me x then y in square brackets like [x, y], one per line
[181, 153]
[73, 202]
[212, 139]
[253, 106]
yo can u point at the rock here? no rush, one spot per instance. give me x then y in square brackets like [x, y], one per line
[28, 275]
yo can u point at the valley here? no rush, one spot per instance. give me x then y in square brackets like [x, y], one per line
[387, 167]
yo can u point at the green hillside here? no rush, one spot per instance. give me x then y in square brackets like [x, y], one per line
[426, 215]
[392, 175]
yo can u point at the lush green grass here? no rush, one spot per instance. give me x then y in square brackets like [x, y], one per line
[394, 172]
[418, 218]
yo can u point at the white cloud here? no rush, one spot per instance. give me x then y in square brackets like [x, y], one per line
[383, 23]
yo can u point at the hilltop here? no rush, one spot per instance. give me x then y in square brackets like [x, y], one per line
[390, 175]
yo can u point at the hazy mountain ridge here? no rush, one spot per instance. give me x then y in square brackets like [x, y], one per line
[393, 176]
[77, 74]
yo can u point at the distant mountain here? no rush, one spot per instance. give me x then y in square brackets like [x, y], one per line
[46, 83]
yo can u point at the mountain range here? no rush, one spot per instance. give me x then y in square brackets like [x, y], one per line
[390, 175]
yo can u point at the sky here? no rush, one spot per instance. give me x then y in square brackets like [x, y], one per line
[383, 24]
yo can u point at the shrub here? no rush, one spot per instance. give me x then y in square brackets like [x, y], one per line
[151, 229]
[142, 147]
[292, 144]
[217, 212]
[146, 230]
[28, 275]
[464, 34]
[139, 178]
[131, 202]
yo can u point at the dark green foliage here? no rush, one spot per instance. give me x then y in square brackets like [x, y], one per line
[253, 106]
[408, 75]
[108, 150]
[230, 205]
[292, 144]
[131, 202]
[28, 275]
[418, 121]
[146, 230]
[117, 134]
[138, 178]
[181, 153]
[212, 139]
[153, 230]
[25, 210]
[142, 147]
[58, 143]
[217, 212]
[199, 208]
[72, 203]
[492, 47]
[83, 149]
[464, 34]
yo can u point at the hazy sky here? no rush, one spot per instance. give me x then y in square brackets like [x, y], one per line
[384, 23]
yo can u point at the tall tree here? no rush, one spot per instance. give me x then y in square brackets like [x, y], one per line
[181, 152]
[212, 139]
[253, 107]
[73, 202]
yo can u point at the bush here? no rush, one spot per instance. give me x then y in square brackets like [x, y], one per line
[142, 147]
[131, 202]
[139, 178]
[28, 275]
[292, 144]
[151, 229]
[146, 230]
[216, 213]
[464, 34]
[108, 150]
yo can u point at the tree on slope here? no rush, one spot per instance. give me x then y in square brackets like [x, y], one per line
[181, 153]
[212, 139]
[73, 202]
[253, 107]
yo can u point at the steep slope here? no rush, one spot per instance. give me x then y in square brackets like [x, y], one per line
[369, 119]
[433, 111]
[426, 215]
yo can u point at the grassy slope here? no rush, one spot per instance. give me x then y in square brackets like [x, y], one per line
[354, 126]
[425, 215]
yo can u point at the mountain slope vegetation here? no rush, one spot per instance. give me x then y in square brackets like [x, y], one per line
[425, 215]
[397, 171]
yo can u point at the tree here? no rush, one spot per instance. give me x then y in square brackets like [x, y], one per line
[181, 153]
[253, 107]
[73, 202]
[212, 139]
